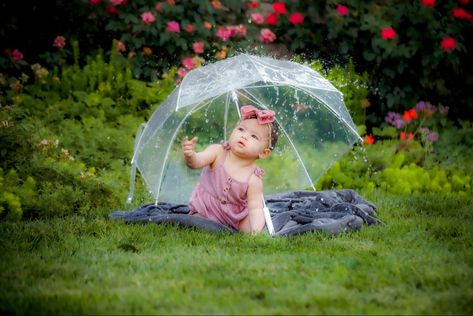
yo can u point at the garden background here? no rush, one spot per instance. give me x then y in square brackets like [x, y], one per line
[77, 78]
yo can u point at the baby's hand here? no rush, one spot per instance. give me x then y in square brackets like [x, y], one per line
[188, 146]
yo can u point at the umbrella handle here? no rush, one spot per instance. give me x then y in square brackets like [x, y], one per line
[267, 217]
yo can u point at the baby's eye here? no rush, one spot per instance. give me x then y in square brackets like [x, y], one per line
[241, 129]
[254, 136]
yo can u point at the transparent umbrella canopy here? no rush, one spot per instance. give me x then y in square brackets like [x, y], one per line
[315, 126]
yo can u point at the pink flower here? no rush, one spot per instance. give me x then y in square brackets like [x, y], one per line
[198, 47]
[388, 33]
[173, 27]
[448, 44]
[239, 30]
[266, 36]
[279, 8]
[147, 17]
[182, 72]
[342, 10]
[117, 2]
[428, 3]
[95, 2]
[121, 47]
[17, 55]
[296, 18]
[257, 18]
[224, 33]
[59, 42]
[460, 13]
[159, 7]
[188, 63]
[272, 19]
[189, 28]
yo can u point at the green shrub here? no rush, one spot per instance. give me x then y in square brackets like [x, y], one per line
[67, 137]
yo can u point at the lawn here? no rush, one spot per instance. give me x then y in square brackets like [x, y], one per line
[419, 263]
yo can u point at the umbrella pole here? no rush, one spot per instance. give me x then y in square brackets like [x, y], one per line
[267, 218]
[133, 164]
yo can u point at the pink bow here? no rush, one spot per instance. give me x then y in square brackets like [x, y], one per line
[263, 116]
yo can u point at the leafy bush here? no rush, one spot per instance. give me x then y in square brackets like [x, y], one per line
[411, 160]
[67, 136]
[414, 50]
[353, 86]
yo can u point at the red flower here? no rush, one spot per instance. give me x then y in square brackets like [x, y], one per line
[404, 135]
[448, 44]
[342, 10]
[296, 18]
[464, 2]
[189, 28]
[279, 8]
[388, 33]
[16, 55]
[111, 10]
[460, 13]
[368, 139]
[253, 5]
[94, 2]
[428, 3]
[409, 115]
[272, 19]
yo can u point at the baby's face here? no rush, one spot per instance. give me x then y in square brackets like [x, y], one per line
[250, 139]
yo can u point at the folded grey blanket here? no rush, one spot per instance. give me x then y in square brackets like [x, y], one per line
[293, 213]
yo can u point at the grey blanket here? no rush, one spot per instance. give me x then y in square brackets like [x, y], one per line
[293, 213]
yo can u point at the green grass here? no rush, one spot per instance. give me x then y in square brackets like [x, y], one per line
[420, 263]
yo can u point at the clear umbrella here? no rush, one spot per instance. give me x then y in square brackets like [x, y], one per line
[315, 126]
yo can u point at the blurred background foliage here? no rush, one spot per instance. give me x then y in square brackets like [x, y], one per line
[77, 78]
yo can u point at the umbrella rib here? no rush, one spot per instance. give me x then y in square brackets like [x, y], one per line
[172, 140]
[291, 85]
[290, 142]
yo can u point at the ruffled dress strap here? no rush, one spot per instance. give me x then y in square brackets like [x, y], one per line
[225, 145]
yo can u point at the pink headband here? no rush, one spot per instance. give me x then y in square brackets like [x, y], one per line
[263, 116]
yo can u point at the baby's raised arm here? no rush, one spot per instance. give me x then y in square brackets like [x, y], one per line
[201, 159]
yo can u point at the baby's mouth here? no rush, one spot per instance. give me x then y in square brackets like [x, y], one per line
[241, 143]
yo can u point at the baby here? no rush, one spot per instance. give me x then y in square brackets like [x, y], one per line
[230, 190]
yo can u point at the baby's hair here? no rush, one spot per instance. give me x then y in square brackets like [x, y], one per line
[274, 130]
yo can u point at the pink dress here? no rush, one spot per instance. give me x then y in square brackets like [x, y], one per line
[219, 197]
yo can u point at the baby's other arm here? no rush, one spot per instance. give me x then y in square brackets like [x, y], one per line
[201, 159]
[255, 220]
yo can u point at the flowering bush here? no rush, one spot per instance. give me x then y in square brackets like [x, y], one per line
[418, 122]
[412, 51]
